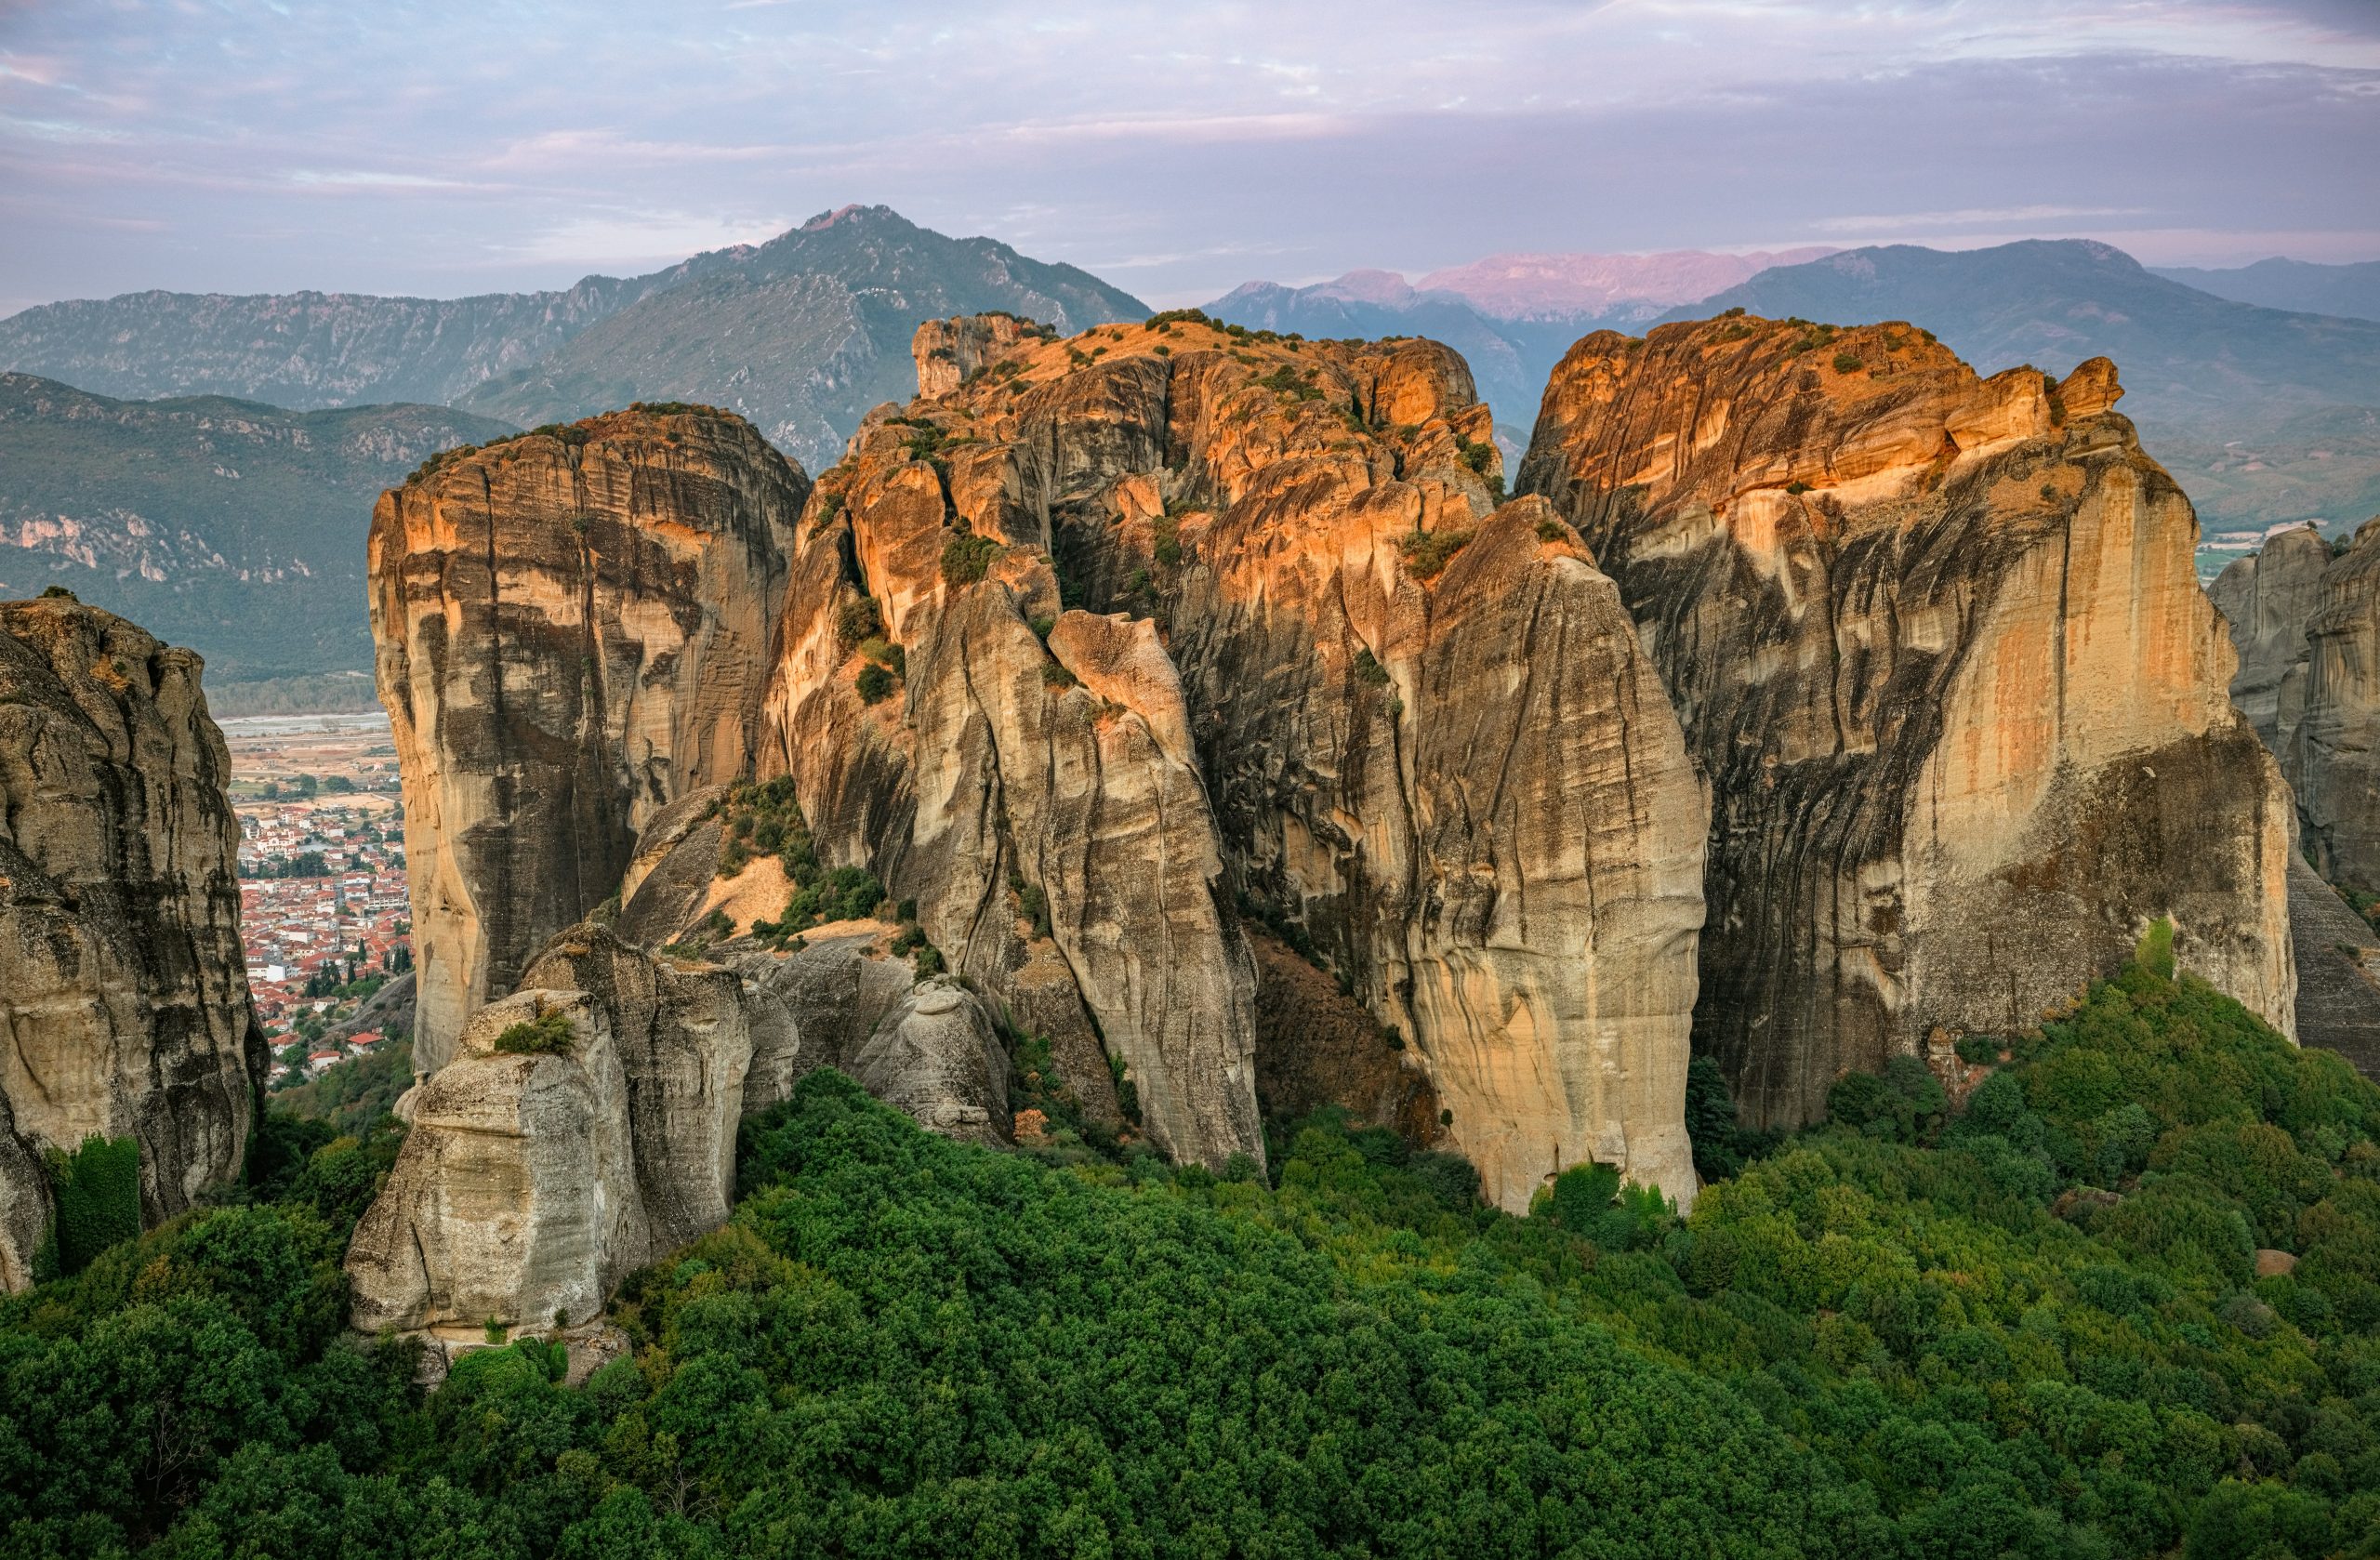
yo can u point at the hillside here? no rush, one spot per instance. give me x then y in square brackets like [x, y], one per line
[2262, 413]
[2350, 291]
[234, 528]
[301, 348]
[802, 335]
[2040, 1327]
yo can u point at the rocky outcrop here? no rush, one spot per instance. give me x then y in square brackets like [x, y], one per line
[121, 980]
[952, 352]
[515, 1199]
[2333, 756]
[1937, 644]
[573, 630]
[1315, 668]
[2265, 598]
[586, 1123]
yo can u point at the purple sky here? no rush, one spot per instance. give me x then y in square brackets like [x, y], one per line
[1176, 149]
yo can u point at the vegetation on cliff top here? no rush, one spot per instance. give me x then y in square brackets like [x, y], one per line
[2039, 1326]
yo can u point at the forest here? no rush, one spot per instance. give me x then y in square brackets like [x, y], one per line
[2124, 1300]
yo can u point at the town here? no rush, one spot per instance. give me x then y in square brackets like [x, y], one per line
[322, 905]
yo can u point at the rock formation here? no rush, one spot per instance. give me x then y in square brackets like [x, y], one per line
[1312, 665]
[1937, 644]
[2333, 758]
[122, 979]
[516, 1197]
[571, 629]
[586, 1123]
[2265, 597]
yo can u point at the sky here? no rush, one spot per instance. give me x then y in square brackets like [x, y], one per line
[1175, 149]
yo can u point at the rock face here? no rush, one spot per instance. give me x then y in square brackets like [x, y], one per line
[515, 1198]
[533, 1182]
[121, 978]
[1937, 644]
[2266, 598]
[2334, 757]
[573, 630]
[1313, 669]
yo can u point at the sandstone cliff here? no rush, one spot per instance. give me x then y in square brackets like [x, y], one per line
[1937, 644]
[2333, 758]
[1299, 660]
[571, 630]
[122, 976]
[2265, 598]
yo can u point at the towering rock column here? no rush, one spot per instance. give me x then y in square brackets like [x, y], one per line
[122, 983]
[2333, 756]
[1313, 671]
[1937, 644]
[2265, 598]
[572, 628]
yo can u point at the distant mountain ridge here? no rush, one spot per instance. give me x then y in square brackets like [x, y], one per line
[1536, 286]
[1511, 315]
[802, 334]
[2264, 416]
[2350, 291]
[304, 349]
[235, 528]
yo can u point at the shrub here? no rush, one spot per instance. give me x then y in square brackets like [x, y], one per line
[860, 620]
[1978, 1050]
[1169, 542]
[874, 683]
[1369, 670]
[1428, 552]
[549, 1034]
[966, 558]
[1055, 676]
[1846, 362]
[1552, 531]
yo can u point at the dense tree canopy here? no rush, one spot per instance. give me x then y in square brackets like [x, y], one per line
[2033, 1327]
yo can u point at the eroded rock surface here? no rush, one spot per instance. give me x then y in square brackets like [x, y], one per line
[1937, 644]
[122, 979]
[573, 630]
[2266, 598]
[1312, 663]
[516, 1197]
[2334, 753]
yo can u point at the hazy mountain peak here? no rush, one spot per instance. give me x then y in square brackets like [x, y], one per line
[1522, 285]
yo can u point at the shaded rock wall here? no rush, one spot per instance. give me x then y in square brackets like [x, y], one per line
[2333, 758]
[1937, 644]
[571, 630]
[2265, 600]
[123, 982]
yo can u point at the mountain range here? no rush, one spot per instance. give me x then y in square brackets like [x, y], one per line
[2267, 414]
[229, 526]
[2352, 291]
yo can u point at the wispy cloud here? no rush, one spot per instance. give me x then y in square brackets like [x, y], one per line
[458, 145]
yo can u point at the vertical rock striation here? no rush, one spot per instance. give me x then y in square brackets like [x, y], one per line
[2333, 758]
[1937, 644]
[1300, 656]
[571, 629]
[2265, 598]
[121, 978]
